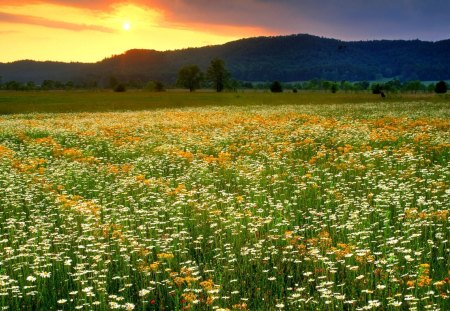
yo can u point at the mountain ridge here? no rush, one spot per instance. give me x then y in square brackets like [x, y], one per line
[284, 58]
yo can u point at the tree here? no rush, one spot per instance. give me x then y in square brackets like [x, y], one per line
[30, 85]
[346, 86]
[361, 85]
[155, 86]
[48, 85]
[276, 87]
[392, 86]
[377, 88]
[190, 77]
[414, 86]
[217, 74]
[334, 88]
[326, 85]
[113, 82]
[12, 85]
[69, 85]
[233, 85]
[441, 87]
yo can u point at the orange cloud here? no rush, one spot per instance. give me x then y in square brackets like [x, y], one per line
[39, 21]
[218, 16]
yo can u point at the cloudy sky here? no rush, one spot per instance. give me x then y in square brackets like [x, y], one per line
[90, 30]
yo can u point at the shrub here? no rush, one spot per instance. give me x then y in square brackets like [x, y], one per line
[120, 88]
[276, 87]
[441, 87]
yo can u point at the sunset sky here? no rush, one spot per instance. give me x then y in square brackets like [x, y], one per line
[90, 30]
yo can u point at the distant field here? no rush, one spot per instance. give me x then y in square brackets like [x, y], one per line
[102, 101]
[243, 201]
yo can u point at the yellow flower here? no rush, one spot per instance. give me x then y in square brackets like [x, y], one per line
[165, 256]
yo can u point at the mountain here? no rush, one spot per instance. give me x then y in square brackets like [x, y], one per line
[284, 58]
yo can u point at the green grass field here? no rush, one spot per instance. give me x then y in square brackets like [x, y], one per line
[103, 101]
[236, 201]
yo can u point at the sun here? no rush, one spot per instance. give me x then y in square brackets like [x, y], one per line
[126, 26]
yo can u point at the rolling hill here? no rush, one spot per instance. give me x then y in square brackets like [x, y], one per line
[285, 58]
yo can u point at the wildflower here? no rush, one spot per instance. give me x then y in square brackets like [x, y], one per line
[114, 305]
[395, 303]
[31, 278]
[143, 292]
[165, 256]
[207, 285]
[45, 275]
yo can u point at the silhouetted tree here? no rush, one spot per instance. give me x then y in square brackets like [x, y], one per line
[377, 88]
[217, 74]
[120, 88]
[441, 87]
[276, 87]
[190, 77]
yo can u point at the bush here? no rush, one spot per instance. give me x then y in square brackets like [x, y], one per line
[120, 88]
[441, 87]
[276, 87]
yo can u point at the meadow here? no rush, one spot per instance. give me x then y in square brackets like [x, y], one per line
[237, 201]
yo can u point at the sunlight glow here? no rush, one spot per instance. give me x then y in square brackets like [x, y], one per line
[66, 33]
[126, 26]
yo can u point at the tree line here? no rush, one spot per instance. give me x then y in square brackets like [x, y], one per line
[218, 78]
[390, 86]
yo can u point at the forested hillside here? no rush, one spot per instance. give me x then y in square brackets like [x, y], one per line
[284, 58]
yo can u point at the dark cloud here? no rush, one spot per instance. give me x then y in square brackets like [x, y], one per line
[351, 19]
[32, 20]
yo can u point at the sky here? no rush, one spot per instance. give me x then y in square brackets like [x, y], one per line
[91, 30]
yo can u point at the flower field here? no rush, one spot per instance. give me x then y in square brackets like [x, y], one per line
[287, 207]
